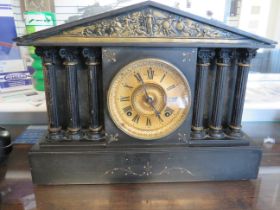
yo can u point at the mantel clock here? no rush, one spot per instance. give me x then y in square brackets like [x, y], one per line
[145, 93]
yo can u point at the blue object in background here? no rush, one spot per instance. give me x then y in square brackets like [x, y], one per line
[13, 73]
[8, 33]
[31, 135]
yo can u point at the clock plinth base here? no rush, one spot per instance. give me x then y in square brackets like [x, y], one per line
[90, 162]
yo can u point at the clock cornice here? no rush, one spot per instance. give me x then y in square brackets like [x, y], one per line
[145, 24]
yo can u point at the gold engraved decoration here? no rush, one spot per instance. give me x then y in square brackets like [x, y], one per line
[148, 171]
[149, 22]
[109, 56]
[149, 99]
[112, 137]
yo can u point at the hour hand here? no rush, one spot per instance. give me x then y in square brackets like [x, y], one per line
[144, 87]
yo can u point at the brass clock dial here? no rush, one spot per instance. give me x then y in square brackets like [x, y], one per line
[149, 98]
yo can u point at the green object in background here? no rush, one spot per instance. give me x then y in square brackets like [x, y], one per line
[38, 75]
[35, 21]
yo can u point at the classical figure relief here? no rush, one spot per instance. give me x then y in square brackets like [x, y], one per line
[149, 22]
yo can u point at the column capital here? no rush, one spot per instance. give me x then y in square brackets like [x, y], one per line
[92, 56]
[246, 55]
[224, 56]
[49, 55]
[205, 55]
[70, 55]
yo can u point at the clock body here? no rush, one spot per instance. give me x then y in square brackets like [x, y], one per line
[144, 93]
[148, 94]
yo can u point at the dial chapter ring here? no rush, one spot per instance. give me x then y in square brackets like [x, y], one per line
[137, 123]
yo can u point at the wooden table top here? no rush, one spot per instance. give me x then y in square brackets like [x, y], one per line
[18, 192]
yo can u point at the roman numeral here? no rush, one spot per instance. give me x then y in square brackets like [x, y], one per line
[162, 78]
[171, 87]
[124, 98]
[128, 86]
[138, 77]
[127, 109]
[136, 118]
[150, 73]
[148, 122]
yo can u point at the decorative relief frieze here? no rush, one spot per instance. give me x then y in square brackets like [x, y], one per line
[150, 22]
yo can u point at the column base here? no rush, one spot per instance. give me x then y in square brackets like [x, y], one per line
[94, 136]
[235, 131]
[217, 134]
[55, 136]
[77, 135]
[195, 134]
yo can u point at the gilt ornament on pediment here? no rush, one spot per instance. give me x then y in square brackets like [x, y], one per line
[149, 22]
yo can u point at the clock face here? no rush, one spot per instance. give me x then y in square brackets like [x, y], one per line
[149, 99]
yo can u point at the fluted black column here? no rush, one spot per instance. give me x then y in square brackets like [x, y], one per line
[203, 63]
[49, 56]
[70, 56]
[93, 62]
[223, 64]
[244, 59]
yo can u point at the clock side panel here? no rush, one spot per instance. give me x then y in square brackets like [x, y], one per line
[115, 58]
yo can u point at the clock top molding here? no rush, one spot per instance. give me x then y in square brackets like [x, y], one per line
[146, 24]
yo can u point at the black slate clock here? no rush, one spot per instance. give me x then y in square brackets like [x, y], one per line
[145, 93]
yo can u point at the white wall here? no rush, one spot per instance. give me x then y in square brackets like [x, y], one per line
[20, 26]
[254, 16]
[200, 7]
[273, 27]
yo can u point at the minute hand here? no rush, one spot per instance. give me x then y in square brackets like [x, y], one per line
[155, 110]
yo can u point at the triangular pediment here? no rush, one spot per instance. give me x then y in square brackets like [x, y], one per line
[149, 22]
[143, 23]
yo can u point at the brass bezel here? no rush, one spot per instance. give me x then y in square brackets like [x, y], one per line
[183, 79]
